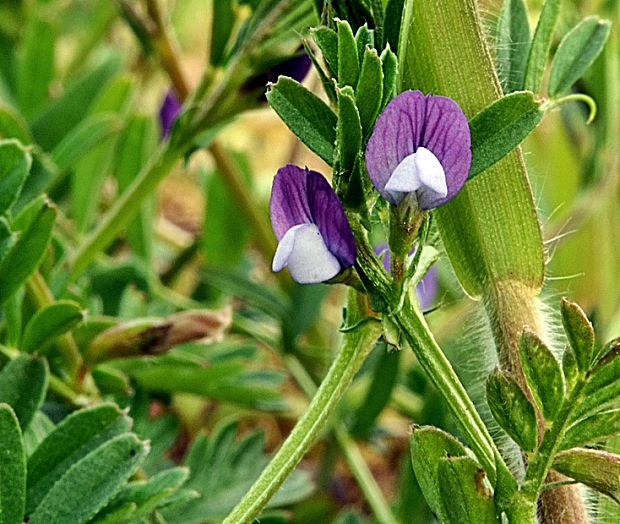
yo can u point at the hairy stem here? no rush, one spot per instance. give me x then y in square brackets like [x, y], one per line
[356, 345]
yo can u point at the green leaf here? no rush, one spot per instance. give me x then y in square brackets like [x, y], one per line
[364, 38]
[500, 127]
[73, 439]
[596, 428]
[490, 229]
[64, 113]
[136, 146]
[236, 283]
[224, 240]
[306, 115]
[100, 474]
[50, 322]
[12, 468]
[142, 497]
[348, 131]
[389, 63]
[39, 428]
[348, 60]
[23, 384]
[541, 44]
[15, 163]
[543, 374]
[513, 44]
[327, 41]
[222, 471]
[226, 381]
[222, 23]
[603, 385]
[42, 173]
[466, 498]
[83, 137]
[369, 90]
[379, 392]
[429, 446]
[576, 53]
[35, 68]
[596, 469]
[512, 410]
[90, 170]
[13, 125]
[27, 253]
[392, 21]
[579, 332]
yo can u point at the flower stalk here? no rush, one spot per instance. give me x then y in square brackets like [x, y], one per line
[355, 347]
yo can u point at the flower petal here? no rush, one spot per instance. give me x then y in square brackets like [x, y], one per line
[410, 121]
[289, 199]
[329, 216]
[170, 109]
[303, 250]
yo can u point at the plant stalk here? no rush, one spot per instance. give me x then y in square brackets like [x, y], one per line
[355, 347]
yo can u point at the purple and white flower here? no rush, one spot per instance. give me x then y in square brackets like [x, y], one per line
[315, 240]
[419, 146]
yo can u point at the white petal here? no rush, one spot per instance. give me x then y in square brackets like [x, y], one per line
[420, 171]
[430, 172]
[303, 250]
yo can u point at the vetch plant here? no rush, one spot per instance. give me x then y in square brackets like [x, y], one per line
[150, 354]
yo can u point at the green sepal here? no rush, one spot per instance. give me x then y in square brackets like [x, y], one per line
[579, 332]
[369, 91]
[348, 60]
[513, 44]
[500, 127]
[595, 468]
[466, 497]
[576, 53]
[429, 446]
[306, 115]
[512, 410]
[596, 428]
[541, 45]
[543, 374]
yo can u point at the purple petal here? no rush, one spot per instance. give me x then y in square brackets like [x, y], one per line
[301, 196]
[296, 67]
[330, 218]
[170, 109]
[427, 289]
[412, 120]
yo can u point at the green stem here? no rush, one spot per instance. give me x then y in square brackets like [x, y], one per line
[355, 347]
[353, 457]
[363, 476]
[439, 369]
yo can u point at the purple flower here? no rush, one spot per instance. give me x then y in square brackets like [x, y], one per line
[296, 67]
[427, 288]
[170, 109]
[421, 145]
[315, 240]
